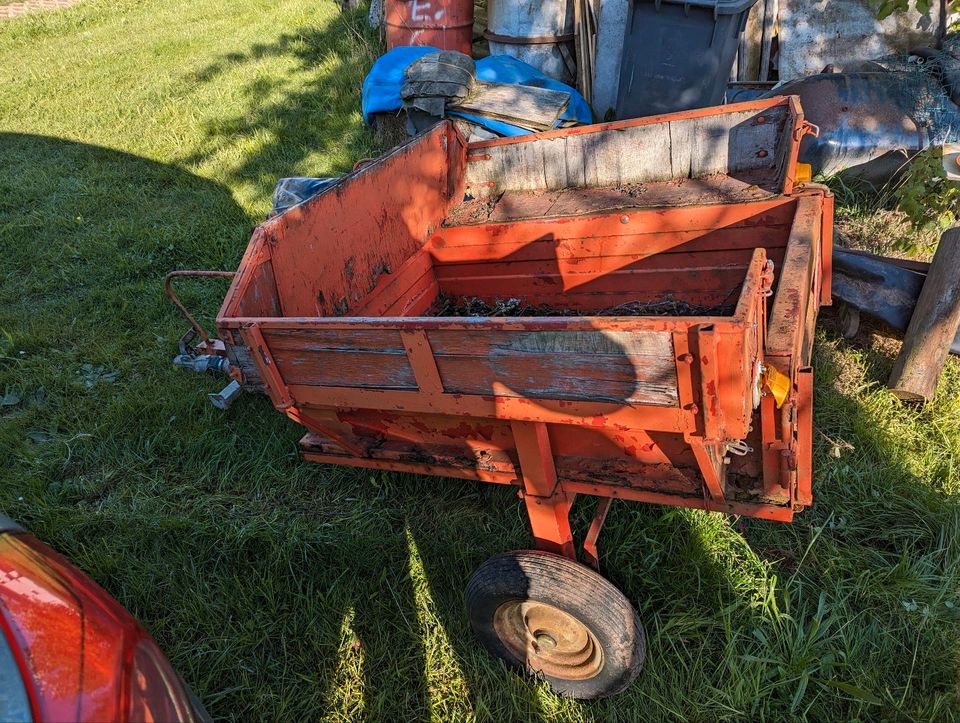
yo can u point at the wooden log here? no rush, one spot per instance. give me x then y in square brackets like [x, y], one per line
[933, 325]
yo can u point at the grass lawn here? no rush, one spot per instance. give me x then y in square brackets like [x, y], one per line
[138, 136]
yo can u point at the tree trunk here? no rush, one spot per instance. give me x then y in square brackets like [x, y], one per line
[933, 325]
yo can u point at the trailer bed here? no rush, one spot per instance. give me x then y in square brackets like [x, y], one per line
[620, 311]
[332, 313]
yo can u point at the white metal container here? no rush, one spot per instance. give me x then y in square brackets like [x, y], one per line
[951, 161]
[538, 32]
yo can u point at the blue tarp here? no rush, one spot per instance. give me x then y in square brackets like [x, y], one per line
[381, 87]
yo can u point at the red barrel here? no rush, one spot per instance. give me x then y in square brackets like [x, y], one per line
[444, 24]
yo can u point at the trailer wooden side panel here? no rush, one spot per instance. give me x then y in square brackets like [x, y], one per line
[659, 286]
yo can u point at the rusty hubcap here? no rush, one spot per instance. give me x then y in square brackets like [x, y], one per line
[548, 640]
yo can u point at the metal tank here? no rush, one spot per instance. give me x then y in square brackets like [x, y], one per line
[444, 24]
[537, 32]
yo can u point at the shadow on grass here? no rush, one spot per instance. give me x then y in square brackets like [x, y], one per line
[851, 611]
[255, 573]
[313, 113]
[278, 589]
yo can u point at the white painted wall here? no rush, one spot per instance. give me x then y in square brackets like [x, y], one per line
[815, 33]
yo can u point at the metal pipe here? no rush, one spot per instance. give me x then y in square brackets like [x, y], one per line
[203, 363]
[168, 285]
[226, 396]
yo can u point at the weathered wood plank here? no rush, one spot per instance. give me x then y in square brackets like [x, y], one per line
[599, 366]
[411, 301]
[933, 325]
[626, 285]
[594, 377]
[394, 285]
[653, 346]
[681, 148]
[612, 252]
[702, 204]
[239, 356]
[527, 106]
[731, 143]
[795, 281]
[368, 370]
[576, 271]
[374, 340]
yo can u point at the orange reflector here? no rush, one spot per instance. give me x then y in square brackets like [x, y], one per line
[778, 384]
[804, 173]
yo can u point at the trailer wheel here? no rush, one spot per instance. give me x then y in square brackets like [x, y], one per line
[549, 616]
[849, 321]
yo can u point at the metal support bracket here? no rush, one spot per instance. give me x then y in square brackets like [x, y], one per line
[547, 504]
[590, 554]
[267, 367]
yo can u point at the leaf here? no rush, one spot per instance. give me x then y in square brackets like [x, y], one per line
[885, 11]
[11, 398]
[40, 437]
[759, 659]
[91, 374]
[801, 689]
[859, 693]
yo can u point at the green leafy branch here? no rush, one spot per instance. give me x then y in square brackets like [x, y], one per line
[930, 201]
[886, 8]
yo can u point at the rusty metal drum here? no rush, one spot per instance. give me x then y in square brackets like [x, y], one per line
[444, 24]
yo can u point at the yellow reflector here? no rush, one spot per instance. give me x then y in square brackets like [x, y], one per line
[778, 384]
[804, 173]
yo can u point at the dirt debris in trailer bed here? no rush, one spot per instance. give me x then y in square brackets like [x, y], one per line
[478, 207]
[474, 306]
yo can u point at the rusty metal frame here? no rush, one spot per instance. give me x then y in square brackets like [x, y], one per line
[192, 274]
[590, 554]
[547, 501]
[705, 417]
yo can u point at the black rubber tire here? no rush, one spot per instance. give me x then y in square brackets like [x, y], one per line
[849, 321]
[575, 589]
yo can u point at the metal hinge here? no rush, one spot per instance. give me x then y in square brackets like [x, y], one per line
[806, 129]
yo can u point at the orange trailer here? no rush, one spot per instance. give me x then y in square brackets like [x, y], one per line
[651, 288]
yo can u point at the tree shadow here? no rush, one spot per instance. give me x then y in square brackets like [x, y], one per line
[276, 588]
[849, 612]
[844, 614]
[315, 113]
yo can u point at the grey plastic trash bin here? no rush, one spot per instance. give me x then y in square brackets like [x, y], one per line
[678, 55]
